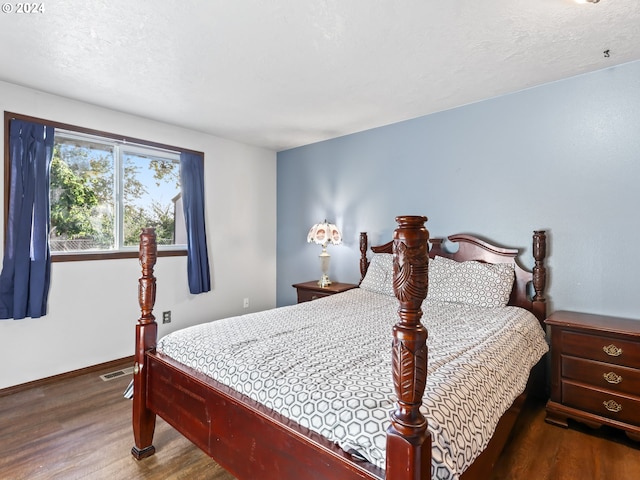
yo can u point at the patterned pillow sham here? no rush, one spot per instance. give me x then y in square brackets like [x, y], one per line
[470, 282]
[379, 277]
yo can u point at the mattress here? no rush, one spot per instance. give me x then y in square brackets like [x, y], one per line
[326, 364]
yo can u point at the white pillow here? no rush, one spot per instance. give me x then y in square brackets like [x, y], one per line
[471, 282]
[379, 277]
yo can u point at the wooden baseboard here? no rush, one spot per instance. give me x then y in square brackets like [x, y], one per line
[75, 373]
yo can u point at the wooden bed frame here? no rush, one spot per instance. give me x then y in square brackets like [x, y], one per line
[251, 441]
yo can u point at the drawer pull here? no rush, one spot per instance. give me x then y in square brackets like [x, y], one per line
[612, 350]
[612, 377]
[612, 406]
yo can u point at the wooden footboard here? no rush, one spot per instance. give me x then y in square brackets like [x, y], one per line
[243, 436]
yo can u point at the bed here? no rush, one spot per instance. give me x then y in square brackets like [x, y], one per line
[264, 434]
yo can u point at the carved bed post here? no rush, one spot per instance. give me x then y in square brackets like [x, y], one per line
[364, 263]
[408, 440]
[539, 274]
[144, 421]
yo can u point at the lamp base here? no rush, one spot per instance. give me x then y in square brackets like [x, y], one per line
[325, 258]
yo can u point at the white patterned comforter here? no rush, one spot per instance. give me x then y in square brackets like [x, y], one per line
[300, 361]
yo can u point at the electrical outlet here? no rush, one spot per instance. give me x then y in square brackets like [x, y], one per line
[166, 316]
[245, 303]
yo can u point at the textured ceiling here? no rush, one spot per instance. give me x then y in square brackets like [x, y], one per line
[285, 73]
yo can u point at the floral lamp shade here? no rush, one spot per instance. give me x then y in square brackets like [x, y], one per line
[323, 234]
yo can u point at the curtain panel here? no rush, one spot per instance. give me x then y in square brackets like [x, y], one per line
[192, 180]
[26, 269]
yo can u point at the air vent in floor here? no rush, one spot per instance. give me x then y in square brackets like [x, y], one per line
[117, 374]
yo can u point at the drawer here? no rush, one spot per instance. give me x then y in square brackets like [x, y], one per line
[620, 407]
[620, 352]
[602, 375]
[308, 295]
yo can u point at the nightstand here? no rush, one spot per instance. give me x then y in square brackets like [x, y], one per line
[595, 371]
[311, 290]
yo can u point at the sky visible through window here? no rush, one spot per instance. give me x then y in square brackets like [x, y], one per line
[161, 191]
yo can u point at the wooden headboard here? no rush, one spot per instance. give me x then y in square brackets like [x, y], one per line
[528, 287]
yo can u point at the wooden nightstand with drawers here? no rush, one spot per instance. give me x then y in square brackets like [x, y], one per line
[311, 290]
[595, 371]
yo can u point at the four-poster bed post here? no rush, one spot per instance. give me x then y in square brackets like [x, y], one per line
[408, 440]
[144, 420]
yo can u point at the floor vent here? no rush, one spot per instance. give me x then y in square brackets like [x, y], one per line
[117, 374]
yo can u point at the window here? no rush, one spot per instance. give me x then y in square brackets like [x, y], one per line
[104, 188]
[104, 191]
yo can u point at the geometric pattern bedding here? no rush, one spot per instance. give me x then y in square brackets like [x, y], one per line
[297, 361]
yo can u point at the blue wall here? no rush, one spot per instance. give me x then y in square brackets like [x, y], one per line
[564, 157]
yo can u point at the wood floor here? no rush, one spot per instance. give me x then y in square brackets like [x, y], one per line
[79, 428]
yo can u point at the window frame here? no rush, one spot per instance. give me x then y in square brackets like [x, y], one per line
[81, 256]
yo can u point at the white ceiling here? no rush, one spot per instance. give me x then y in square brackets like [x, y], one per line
[284, 73]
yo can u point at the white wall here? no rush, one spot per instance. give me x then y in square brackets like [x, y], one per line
[93, 305]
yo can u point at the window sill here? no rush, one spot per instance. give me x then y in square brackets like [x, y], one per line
[79, 257]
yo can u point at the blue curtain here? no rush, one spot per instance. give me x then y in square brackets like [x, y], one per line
[192, 180]
[26, 270]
